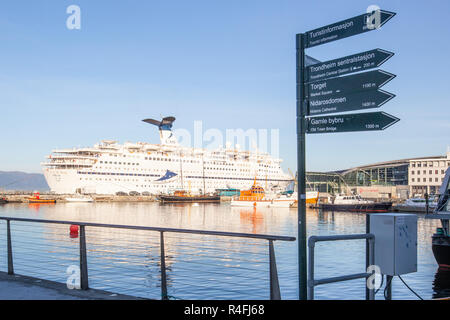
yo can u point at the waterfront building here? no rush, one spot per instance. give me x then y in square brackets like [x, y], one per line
[427, 174]
[402, 178]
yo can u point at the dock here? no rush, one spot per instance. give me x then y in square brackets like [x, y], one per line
[18, 287]
[414, 209]
[61, 198]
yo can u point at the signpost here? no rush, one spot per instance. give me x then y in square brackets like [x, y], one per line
[341, 102]
[322, 89]
[350, 64]
[346, 28]
[358, 82]
[370, 121]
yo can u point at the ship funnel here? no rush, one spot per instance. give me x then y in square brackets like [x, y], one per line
[165, 130]
[164, 124]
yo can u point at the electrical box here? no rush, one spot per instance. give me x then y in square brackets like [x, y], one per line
[395, 242]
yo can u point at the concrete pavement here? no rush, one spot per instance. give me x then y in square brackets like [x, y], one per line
[17, 287]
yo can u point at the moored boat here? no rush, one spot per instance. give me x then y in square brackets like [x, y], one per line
[420, 202]
[355, 203]
[416, 205]
[257, 197]
[440, 242]
[254, 197]
[3, 201]
[183, 196]
[284, 200]
[36, 198]
[230, 192]
[441, 247]
[312, 197]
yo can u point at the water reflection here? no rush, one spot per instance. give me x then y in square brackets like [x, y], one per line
[35, 207]
[441, 283]
[209, 267]
[253, 217]
[325, 216]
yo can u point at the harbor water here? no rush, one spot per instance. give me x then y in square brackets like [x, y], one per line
[203, 267]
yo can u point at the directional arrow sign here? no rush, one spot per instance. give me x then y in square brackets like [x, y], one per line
[371, 121]
[358, 82]
[354, 63]
[342, 102]
[346, 28]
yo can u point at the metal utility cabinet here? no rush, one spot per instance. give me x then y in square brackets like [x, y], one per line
[395, 242]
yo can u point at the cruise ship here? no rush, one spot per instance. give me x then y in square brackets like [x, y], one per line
[110, 167]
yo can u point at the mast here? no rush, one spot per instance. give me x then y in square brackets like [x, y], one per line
[181, 171]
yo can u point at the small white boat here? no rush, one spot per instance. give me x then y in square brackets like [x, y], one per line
[356, 203]
[353, 199]
[79, 199]
[419, 202]
[289, 200]
[283, 200]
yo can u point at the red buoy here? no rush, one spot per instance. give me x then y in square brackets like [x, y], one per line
[73, 231]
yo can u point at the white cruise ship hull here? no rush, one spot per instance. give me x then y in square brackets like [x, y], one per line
[74, 181]
[108, 168]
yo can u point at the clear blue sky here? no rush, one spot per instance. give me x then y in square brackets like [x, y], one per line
[229, 63]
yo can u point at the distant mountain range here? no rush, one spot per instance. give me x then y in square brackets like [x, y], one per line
[15, 180]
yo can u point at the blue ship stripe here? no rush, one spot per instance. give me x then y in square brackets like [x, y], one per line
[188, 177]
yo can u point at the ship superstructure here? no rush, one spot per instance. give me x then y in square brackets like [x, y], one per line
[109, 167]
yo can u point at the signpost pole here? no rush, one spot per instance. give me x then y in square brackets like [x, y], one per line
[301, 176]
[329, 92]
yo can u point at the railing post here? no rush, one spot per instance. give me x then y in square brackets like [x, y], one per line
[275, 293]
[9, 245]
[311, 245]
[389, 287]
[84, 282]
[370, 293]
[163, 270]
[368, 244]
[370, 260]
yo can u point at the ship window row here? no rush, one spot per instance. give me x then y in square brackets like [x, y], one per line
[125, 163]
[219, 162]
[172, 160]
[205, 162]
[137, 164]
[238, 171]
[120, 174]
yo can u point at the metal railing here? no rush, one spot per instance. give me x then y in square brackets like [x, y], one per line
[274, 288]
[370, 257]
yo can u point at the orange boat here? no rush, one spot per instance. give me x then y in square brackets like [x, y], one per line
[36, 198]
[252, 198]
[256, 197]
